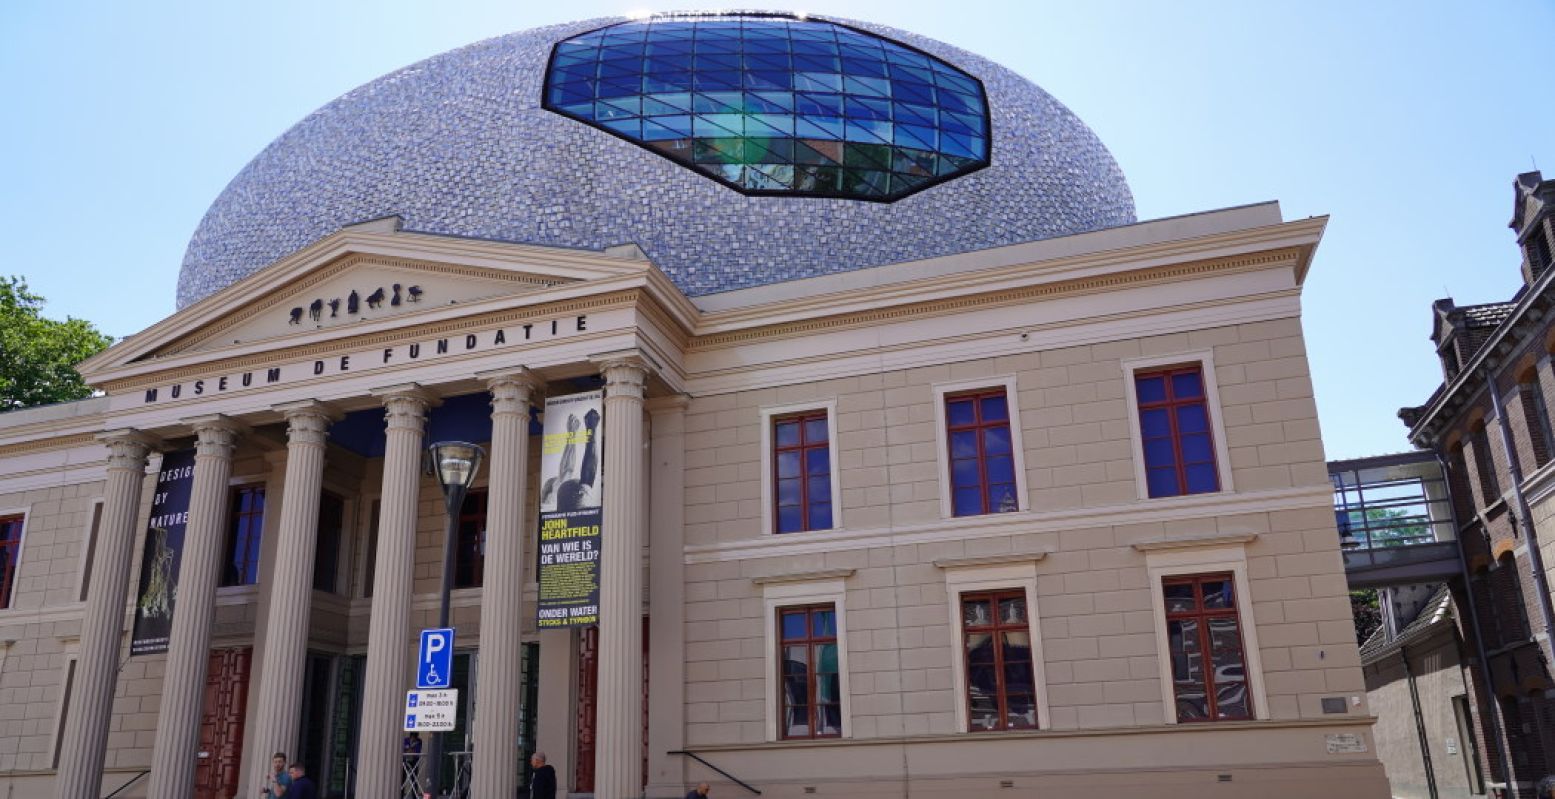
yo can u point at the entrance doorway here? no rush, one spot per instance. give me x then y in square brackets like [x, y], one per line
[221, 724]
[588, 708]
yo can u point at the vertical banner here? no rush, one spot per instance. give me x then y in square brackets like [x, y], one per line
[571, 493]
[164, 552]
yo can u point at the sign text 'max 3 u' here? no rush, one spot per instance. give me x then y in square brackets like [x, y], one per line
[368, 360]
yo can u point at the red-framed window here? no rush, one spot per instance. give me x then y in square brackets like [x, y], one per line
[1175, 432]
[10, 553]
[982, 453]
[1209, 670]
[810, 682]
[801, 473]
[996, 642]
[470, 546]
[244, 535]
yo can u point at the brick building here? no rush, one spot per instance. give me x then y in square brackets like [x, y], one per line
[1491, 425]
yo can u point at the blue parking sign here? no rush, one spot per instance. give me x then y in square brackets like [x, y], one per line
[435, 660]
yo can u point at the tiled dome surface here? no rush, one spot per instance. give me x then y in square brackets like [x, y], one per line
[460, 145]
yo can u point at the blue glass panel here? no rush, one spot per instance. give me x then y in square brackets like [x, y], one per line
[817, 461]
[1150, 389]
[909, 119]
[1162, 482]
[996, 440]
[788, 464]
[967, 501]
[1001, 469]
[820, 516]
[786, 434]
[963, 444]
[964, 472]
[820, 489]
[1158, 452]
[1154, 423]
[1195, 448]
[793, 626]
[823, 624]
[788, 492]
[1192, 419]
[790, 519]
[815, 430]
[994, 409]
[960, 412]
[1187, 386]
[1202, 478]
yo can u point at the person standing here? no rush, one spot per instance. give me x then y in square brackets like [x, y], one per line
[700, 791]
[542, 783]
[302, 786]
[277, 781]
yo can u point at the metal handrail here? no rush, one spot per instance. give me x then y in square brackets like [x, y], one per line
[731, 777]
[133, 780]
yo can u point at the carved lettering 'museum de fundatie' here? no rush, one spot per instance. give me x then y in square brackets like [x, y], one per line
[920, 466]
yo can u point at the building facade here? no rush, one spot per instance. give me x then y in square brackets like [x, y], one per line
[1490, 426]
[940, 476]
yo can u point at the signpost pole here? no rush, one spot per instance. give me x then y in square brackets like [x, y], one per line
[455, 464]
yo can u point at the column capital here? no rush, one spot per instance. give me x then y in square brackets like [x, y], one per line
[625, 372]
[405, 405]
[307, 422]
[128, 448]
[216, 435]
[512, 389]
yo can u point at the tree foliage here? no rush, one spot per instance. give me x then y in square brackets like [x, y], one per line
[38, 355]
[1366, 607]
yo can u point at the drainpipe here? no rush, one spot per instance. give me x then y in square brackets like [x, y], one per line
[1497, 723]
[1524, 518]
[1425, 741]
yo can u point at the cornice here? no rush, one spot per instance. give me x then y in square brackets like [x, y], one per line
[968, 294]
[46, 444]
[1194, 542]
[1003, 559]
[1198, 507]
[614, 299]
[803, 576]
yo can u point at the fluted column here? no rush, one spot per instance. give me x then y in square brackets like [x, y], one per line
[619, 726]
[281, 664]
[102, 624]
[175, 753]
[502, 615]
[388, 636]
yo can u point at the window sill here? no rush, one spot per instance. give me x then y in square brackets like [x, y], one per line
[1194, 542]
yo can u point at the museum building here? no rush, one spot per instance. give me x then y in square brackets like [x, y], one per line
[921, 466]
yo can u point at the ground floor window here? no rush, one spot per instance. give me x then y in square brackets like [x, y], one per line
[810, 684]
[1204, 634]
[996, 642]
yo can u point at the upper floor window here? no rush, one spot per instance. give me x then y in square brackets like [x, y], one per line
[996, 641]
[809, 677]
[1484, 464]
[982, 453]
[1174, 431]
[1536, 414]
[801, 473]
[1204, 634]
[10, 553]
[241, 566]
[470, 546]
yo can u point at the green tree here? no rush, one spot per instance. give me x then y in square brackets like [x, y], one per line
[38, 355]
[1366, 607]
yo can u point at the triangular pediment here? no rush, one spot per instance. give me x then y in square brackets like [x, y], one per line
[357, 289]
[361, 279]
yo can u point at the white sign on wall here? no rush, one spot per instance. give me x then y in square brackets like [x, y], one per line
[1345, 743]
[431, 711]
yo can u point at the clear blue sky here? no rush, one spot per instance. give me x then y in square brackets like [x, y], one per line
[1404, 121]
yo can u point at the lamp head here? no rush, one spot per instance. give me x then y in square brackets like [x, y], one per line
[455, 463]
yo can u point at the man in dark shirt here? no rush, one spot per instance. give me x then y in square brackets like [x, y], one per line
[699, 792]
[302, 786]
[542, 782]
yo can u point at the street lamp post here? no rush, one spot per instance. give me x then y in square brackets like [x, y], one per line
[455, 463]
